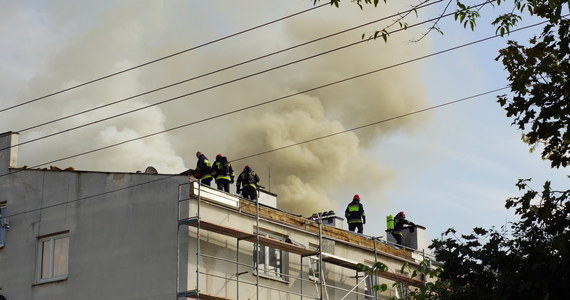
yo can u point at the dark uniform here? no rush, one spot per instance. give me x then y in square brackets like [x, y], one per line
[354, 214]
[203, 169]
[248, 179]
[399, 222]
[223, 173]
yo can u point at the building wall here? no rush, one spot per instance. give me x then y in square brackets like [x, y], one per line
[125, 242]
[221, 258]
[122, 241]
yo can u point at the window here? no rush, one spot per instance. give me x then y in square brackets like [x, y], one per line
[272, 262]
[371, 281]
[314, 269]
[53, 258]
[369, 291]
[3, 224]
[314, 266]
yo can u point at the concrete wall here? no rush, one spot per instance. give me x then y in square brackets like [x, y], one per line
[8, 151]
[413, 238]
[123, 241]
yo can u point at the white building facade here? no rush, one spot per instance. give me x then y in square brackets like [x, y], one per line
[70, 234]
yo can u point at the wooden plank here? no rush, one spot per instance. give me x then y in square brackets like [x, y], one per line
[330, 258]
[263, 240]
[329, 231]
[198, 295]
[401, 278]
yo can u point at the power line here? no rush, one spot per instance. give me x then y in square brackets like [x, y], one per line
[255, 105]
[160, 59]
[270, 101]
[239, 79]
[372, 124]
[226, 68]
[275, 149]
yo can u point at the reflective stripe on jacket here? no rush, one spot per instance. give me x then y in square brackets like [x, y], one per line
[399, 223]
[248, 179]
[204, 167]
[222, 170]
[354, 212]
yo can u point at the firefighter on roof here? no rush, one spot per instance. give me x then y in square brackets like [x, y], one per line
[399, 222]
[248, 179]
[354, 214]
[223, 173]
[203, 169]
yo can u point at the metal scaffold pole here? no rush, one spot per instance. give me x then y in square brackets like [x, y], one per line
[321, 273]
[198, 241]
[257, 250]
[178, 244]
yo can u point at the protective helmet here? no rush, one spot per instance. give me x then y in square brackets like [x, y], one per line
[218, 156]
[402, 213]
[357, 197]
[247, 168]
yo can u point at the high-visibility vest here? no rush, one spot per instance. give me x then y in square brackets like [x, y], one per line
[354, 213]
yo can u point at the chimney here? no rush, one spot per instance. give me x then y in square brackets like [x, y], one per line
[8, 151]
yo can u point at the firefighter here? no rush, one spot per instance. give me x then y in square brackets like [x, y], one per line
[354, 214]
[248, 179]
[203, 169]
[399, 222]
[223, 173]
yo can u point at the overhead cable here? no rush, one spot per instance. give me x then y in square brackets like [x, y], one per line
[273, 150]
[224, 68]
[249, 76]
[371, 124]
[160, 59]
[269, 101]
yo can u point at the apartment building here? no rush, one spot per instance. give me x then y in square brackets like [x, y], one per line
[69, 234]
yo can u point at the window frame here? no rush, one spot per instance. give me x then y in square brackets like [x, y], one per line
[51, 255]
[370, 282]
[282, 260]
[3, 229]
[314, 266]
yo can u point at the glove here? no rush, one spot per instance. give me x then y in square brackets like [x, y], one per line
[232, 180]
[238, 190]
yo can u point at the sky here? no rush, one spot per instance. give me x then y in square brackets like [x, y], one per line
[453, 166]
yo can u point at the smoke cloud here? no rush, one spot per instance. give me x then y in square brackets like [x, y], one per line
[69, 43]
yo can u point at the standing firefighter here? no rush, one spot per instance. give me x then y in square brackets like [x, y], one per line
[203, 169]
[354, 214]
[248, 179]
[223, 173]
[399, 222]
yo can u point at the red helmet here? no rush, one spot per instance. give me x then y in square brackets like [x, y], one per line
[402, 213]
[357, 197]
[219, 155]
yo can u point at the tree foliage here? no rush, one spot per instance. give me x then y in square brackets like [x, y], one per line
[529, 259]
[538, 75]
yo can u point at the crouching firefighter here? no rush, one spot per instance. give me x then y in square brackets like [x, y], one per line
[399, 222]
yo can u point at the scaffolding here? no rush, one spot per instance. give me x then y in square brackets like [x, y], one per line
[195, 192]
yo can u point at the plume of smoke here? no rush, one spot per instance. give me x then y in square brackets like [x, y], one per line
[104, 37]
